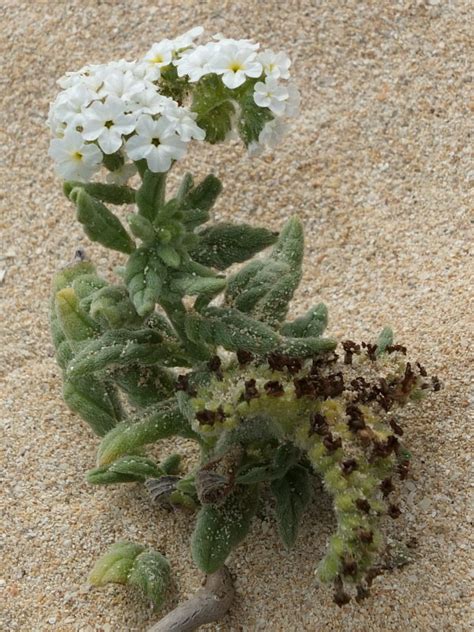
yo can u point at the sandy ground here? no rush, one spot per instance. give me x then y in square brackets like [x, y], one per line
[378, 168]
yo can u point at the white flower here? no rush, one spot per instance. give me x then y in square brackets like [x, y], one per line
[159, 56]
[123, 85]
[293, 102]
[184, 122]
[272, 133]
[271, 95]
[275, 65]
[195, 63]
[149, 101]
[68, 106]
[121, 175]
[106, 123]
[241, 43]
[156, 142]
[187, 39]
[75, 159]
[235, 64]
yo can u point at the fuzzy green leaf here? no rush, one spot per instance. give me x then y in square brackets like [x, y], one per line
[94, 402]
[252, 117]
[145, 385]
[231, 329]
[161, 421]
[115, 565]
[224, 244]
[384, 340]
[151, 573]
[76, 325]
[306, 347]
[150, 196]
[211, 102]
[264, 289]
[112, 307]
[292, 494]
[117, 348]
[110, 193]
[144, 276]
[220, 528]
[192, 285]
[285, 457]
[100, 224]
[312, 324]
[141, 227]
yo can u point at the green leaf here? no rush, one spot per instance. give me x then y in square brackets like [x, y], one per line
[263, 289]
[110, 193]
[112, 307]
[151, 573]
[115, 565]
[221, 245]
[192, 285]
[168, 255]
[144, 276]
[306, 347]
[141, 227]
[76, 325]
[211, 102]
[130, 468]
[220, 528]
[122, 347]
[160, 421]
[100, 224]
[384, 340]
[231, 329]
[292, 494]
[129, 563]
[93, 401]
[150, 196]
[171, 464]
[252, 117]
[312, 324]
[145, 385]
[285, 457]
[204, 195]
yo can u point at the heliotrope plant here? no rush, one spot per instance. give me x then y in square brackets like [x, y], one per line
[181, 346]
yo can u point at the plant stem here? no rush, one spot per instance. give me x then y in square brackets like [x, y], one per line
[210, 603]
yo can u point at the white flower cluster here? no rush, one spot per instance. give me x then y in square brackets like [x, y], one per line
[117, 108]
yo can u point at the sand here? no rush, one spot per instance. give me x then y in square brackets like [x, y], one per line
[378, 168]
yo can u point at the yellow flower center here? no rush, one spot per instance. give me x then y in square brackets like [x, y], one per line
[157, 59]
[77, 156]
[235, 66]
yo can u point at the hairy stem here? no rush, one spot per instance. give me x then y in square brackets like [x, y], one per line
[210, 603]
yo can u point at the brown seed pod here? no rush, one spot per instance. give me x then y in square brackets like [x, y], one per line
[365, 536]
[363, 504]
[274, 388]
[397, 429]
[341, 598]
[394, 511]
[251, 391]
[210, 417]
[362, 593]
[304, 387]
[332, 444]
[356, 418]
[278, 362]
[350, 347]
[386, 487]
[348, 466]
[244, 357]
[349, 566]
[318, 424]
[182, 384]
